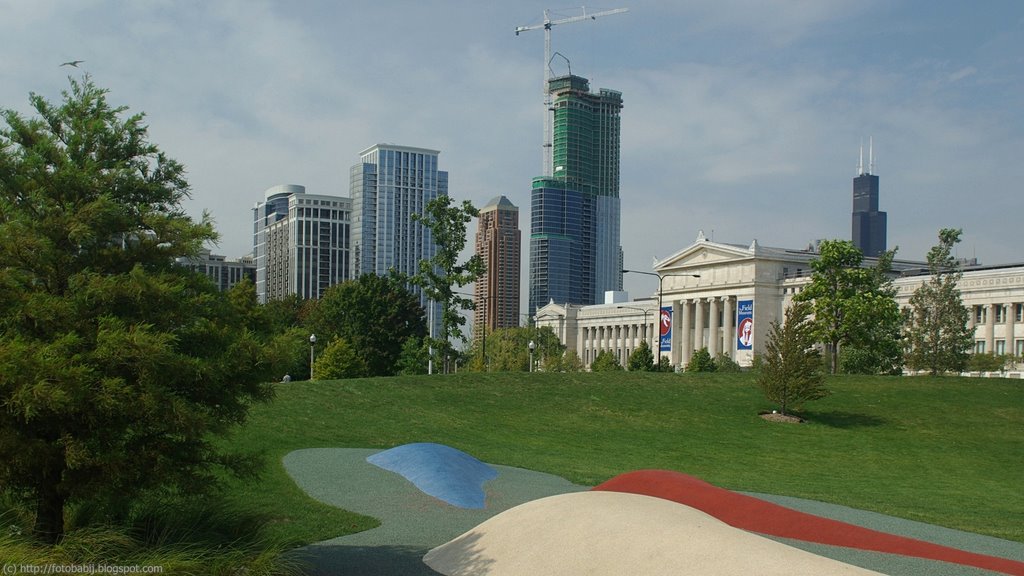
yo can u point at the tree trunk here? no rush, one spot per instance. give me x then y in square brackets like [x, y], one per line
[49, 525]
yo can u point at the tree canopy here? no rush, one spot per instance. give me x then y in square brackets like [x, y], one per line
[854, 306]
[116, 366]
[938, 337]
[439, 276]
[375, 315]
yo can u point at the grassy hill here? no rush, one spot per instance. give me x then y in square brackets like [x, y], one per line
[946, 451]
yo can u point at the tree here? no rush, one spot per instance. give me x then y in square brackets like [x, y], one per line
[117, 368]
[853, 305]
[641, 358]
[340, 359]
[375, 315]
[414, 357]
[938, 337]
[438, 276]
[508, 349]
[701, 361]
[605, 361]
[791, 368]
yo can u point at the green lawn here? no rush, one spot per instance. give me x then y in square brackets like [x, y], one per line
[947, 451]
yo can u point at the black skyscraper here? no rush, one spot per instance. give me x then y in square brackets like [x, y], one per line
[868, 223]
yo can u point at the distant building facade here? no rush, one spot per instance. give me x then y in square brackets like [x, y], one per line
[224, 272]
[388, 186]
[498, 244]
[575, 248]
[300, 242]
[742, 289]
[869, 224]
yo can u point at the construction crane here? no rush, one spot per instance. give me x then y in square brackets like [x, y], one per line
[546, 26]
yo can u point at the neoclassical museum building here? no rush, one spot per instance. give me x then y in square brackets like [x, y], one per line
[724, 297]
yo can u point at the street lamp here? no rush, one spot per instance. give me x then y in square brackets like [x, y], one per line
[532, 346]
[645, 311]
[312, 345]
[661, 284]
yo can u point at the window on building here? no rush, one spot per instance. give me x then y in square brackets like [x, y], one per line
[1000, 347]
[1019, 348]
[1000, 314]
[1020, 312]
[979, 347]
[980, 314]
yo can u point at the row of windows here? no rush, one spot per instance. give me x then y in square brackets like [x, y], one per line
[1000, 347]
[981, 313]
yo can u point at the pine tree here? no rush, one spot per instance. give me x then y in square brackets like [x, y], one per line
[791, 370]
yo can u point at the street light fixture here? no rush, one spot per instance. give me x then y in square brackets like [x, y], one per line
[312, 346]
[645, 311]
[661, 284]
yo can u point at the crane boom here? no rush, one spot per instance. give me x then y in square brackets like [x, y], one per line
[546, 25]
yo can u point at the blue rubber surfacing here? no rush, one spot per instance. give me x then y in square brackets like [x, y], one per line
[441, 471]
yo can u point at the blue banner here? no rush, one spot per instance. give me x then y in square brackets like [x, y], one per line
[744, 324]
[665, 329]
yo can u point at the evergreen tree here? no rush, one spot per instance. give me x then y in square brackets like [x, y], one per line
[938, 337]
[117, 367]
[641, 358]
[701, 361]
[791, 368]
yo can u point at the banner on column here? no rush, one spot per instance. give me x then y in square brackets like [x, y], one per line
[665, 331]
[744, 324]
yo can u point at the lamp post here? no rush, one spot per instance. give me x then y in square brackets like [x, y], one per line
[661, 284]
[312, 346]
[645, 311]
[532, 346]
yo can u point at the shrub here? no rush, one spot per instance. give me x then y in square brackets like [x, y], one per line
[641, 359]
[605, 362]
[723, 363]
[701, 362]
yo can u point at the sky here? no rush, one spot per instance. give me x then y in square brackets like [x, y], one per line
[742, 118]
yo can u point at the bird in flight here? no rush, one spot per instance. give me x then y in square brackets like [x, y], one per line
[74, 63]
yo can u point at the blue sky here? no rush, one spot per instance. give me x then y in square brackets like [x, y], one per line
[742, 118]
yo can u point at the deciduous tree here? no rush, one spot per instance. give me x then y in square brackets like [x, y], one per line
[375, 315]
[439, 276]
[938, 337]
[116, 366]
[854, 306]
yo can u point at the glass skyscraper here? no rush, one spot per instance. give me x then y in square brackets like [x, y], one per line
[869, 224]
[388, 186]
[575, 249]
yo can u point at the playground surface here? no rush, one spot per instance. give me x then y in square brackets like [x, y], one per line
[657, 520]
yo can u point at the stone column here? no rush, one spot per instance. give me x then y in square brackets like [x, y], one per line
[1011, 319]
[686, 346]
[713, 335]
[698, 325]
[728, 330]
[990, 329]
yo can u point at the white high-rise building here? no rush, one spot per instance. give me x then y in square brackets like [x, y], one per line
[300, 242]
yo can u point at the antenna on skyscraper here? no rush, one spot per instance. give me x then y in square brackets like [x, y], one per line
[860, 162]
[871, 155]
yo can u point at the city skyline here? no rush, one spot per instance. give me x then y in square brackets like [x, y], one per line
[743, 118]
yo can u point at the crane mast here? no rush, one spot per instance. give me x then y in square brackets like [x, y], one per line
[546, 25]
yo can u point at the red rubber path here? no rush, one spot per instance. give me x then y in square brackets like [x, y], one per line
[756, 515]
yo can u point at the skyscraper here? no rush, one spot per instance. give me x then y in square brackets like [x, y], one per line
[388, 186]
[300, 242]
[575, 250]
[869, 225]
[496, 294]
